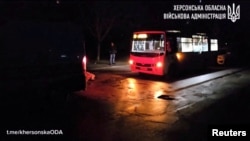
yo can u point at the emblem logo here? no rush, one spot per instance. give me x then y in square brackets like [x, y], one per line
[233, 13]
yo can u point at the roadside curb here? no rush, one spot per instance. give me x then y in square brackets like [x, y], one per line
[104, 64]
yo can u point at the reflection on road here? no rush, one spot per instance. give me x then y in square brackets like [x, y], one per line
[120, 108]
[132, 107]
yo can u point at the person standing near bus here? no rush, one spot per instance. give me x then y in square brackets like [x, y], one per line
[112, 52]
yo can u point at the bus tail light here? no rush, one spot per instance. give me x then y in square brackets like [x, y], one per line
[159, 64]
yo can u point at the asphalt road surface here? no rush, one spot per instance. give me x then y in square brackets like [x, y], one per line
[126, 106]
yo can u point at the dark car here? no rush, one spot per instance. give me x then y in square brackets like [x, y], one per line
[41, 63]
[41, 57]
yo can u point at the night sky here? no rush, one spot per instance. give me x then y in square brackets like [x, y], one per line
[129, 17]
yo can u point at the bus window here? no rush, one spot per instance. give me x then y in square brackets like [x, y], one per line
[151, 43]
[172, 45]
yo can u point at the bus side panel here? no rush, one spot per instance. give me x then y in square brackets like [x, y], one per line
[192, 61]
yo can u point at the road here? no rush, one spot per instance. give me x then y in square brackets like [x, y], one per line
[120, 105]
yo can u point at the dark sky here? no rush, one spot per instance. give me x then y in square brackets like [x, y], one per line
[133, 15]
[139, 13]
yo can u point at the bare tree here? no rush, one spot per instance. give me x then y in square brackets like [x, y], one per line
[99, 18]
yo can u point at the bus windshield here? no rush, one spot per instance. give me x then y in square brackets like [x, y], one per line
[148, 43]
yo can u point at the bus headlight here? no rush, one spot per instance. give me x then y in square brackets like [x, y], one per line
[159, 64]
[131, 62]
